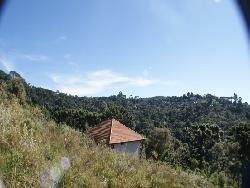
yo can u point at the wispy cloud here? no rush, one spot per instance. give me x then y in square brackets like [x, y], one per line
[169, 83]
[146, 71]
[166, 12]
[95, 82]
[17, 55]
[6, 63]
[9, 59]
[217, 1]
[73, 64]
[63, 37]
[34, 57]
[67, 56]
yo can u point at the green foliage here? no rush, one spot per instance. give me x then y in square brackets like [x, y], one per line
[31, 147]
[161, 145]
[201, 138]
[3, 75]
[206, 134]
[241, 134]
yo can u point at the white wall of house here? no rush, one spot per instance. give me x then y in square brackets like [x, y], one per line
[129, 147]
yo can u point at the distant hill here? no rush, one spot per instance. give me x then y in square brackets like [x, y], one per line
[143, 114]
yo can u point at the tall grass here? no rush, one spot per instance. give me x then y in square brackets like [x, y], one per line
[32, 149]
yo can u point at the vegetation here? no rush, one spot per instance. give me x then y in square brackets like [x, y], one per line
[207, 135]
[35, 151]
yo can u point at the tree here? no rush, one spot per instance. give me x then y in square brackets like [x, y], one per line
[201, 138]
[241, 134]
[161, 145]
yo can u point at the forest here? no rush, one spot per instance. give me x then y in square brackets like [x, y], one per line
[199, 133]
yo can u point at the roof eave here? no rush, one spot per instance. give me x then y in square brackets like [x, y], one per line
[126, 141]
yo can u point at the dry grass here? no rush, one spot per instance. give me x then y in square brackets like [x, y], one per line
[31, 147]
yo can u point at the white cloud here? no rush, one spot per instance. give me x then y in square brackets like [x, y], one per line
[73, 64]
[6, 63]
[146, 71]
[217, 1]
[142, 82]
[169, 83]
[63, 37]
[167, 13]
[10, 58]
[67, 56]
[76, 90]
[95, 82]
[15, 55]
[34, 57]
[67, 80]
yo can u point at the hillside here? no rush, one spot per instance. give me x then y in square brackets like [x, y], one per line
[38, 152]
[207, 135]
[194, 132]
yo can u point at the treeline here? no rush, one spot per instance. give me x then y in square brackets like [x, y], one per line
[200, 133]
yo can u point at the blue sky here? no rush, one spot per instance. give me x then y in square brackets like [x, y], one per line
[140, 47]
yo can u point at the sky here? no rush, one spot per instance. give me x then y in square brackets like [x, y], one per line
[140, 47]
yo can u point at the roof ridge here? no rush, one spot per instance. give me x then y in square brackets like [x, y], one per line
[110, 133]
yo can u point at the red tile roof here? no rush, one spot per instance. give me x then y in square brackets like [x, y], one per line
[113, 132]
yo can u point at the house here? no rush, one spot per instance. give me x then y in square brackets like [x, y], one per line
[117, 136]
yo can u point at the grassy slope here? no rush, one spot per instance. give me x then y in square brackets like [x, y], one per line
[30, 145]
